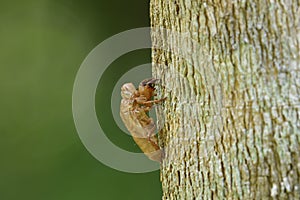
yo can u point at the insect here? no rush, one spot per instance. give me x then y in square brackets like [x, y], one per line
[135, 105]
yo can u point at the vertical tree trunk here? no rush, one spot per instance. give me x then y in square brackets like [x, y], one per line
[232, 117]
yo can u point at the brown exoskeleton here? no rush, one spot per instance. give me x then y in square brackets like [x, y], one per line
[133, 110]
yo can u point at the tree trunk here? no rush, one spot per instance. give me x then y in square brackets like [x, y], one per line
[231, 127]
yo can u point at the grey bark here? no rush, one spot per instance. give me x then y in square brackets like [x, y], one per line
[231, 123]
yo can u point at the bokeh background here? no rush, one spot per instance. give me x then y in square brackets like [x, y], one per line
[42, 44]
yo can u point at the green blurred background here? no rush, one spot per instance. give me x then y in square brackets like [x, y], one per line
[43, 43]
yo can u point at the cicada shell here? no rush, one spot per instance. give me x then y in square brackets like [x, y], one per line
[133, 110]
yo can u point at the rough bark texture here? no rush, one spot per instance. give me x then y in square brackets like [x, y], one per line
[231, 127]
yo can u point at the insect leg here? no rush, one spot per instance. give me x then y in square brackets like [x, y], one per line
[153, 101]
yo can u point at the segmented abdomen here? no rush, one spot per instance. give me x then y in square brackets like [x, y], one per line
[141, 127]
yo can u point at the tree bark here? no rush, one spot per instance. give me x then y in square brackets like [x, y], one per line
[231, 123]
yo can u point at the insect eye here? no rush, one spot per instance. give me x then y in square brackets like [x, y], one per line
[151, 85]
